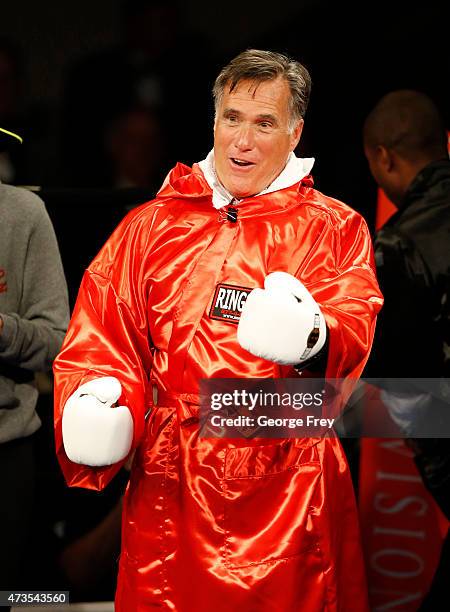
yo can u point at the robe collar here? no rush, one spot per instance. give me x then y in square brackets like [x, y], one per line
[295, 170]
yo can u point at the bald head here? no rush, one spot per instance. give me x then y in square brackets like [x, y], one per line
[403, 134]
[408, 123]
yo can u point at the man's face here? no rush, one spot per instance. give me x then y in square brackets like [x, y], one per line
[251, 137]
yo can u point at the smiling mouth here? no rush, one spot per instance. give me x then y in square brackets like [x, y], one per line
[241, 163]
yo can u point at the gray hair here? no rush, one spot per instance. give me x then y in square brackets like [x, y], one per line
[258, 66]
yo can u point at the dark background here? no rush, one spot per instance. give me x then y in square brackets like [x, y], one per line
[75, 76]
[74, 79]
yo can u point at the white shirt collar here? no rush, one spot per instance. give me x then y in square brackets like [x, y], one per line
[296, 168]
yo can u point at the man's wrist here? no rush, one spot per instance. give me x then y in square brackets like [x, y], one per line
[317, 363]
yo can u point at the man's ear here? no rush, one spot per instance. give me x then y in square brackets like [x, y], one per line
[385, 158]
[295, 137]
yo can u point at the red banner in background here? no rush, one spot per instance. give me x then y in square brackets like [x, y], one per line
[385, 209]
[402, 527]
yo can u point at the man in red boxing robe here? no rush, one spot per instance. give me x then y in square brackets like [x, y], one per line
[223, 524]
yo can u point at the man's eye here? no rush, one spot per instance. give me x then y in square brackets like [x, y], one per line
[232, 118]
[265, 125]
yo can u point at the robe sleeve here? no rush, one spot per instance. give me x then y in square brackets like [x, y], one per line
[350, 300]
[108, 336]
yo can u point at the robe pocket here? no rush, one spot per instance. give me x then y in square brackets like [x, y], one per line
[270, 493]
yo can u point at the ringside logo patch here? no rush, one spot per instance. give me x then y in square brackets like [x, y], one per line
[228, 302]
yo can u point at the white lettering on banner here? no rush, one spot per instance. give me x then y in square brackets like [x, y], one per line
[397, 552]
[397, 446]
[400, 505]
[399, 530]
[405, 598]
[402, 477]
[405, 533]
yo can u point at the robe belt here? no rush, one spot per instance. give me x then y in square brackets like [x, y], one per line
[186, 404]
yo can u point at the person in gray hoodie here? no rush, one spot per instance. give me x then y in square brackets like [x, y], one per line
[34, 314]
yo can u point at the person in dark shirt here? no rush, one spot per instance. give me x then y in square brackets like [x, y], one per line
[406, 146]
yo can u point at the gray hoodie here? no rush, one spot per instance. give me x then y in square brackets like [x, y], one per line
[33, 307]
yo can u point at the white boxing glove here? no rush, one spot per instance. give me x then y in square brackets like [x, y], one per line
[282, 322]
[94, 433]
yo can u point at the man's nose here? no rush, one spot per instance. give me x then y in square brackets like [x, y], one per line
[244, 138]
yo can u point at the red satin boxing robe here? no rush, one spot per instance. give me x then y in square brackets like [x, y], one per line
[215, 525]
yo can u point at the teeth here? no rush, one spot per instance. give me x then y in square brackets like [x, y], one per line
[241, 162]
